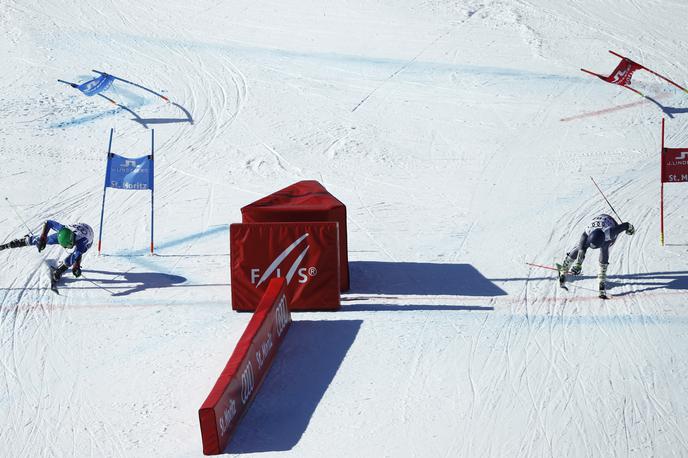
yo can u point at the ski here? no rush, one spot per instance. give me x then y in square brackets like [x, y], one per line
[562, 279]
[556, 267]
[591, 290]
[51, 270]
[53, 282]
[562, 276]
[603, 291]
[541, 266]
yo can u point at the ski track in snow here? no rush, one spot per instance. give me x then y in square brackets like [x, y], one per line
[455, 153]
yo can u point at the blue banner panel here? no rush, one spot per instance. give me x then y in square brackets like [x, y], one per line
[96, 85]
[133, 174]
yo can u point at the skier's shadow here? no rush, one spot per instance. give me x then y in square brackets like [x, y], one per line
[651, 281]
[128, 282]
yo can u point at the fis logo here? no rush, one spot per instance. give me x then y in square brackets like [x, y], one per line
[683, 156]
[295, 269]
[619, 76]
[623, 75]
[129, 163]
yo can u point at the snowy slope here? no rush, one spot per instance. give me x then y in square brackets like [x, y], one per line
[460, 135]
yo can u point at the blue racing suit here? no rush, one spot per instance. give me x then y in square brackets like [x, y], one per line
[611, 231]
[83, 240]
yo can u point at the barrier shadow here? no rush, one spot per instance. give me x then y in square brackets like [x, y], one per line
[413, 308]
[414, 278]
[303, 369]
[132, 282]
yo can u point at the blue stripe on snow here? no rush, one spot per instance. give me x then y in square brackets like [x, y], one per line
[149, 262]
[320, 58]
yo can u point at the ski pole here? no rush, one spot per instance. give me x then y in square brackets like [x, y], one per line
[96, 284]
[605, 198]
[18, 215]
[540, 265]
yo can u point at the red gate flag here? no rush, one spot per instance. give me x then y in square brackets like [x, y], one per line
[238, 383]
[306, 255]
[303, 201]
[674, 169]
[623, 73]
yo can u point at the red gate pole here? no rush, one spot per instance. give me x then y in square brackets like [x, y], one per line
[666, 79]
[661, 192]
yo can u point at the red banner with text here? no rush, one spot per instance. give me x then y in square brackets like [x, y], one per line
[239, 381]
[305, 254]
[674, 165]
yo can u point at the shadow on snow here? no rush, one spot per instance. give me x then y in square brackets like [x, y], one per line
[303, 369]
[133, 282]
[145, 122]
[652, 281]
[669, 111]
[406, 281]
[415, 278]
[648, 281]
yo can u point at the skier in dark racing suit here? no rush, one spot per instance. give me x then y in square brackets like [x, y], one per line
[78, 236]
[600, 233]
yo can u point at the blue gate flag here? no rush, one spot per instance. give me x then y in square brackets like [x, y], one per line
[128, 173]
[125, 173]
[96, 85]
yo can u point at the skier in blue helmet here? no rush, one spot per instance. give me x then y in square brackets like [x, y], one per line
[77, 236]
[600, 234]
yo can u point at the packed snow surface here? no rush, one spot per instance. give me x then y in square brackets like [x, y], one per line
[461, 135]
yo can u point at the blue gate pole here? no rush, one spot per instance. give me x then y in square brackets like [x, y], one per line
[102, 208]
[152, 158]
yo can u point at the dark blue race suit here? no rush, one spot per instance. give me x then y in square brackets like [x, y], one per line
[83, 235]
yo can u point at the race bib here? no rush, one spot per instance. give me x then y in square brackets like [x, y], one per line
[604, 222]
[600, 222]
[83, 231]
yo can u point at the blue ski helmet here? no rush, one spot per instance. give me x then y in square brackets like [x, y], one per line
[596, 238]
[65, 237]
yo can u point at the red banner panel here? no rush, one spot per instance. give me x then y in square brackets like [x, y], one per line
[239, 381]
[306, 255]
[303, 201]
[675, 165]
[623, 72]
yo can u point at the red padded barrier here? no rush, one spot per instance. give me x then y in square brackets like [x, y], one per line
[239, 381]
[303, 201]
